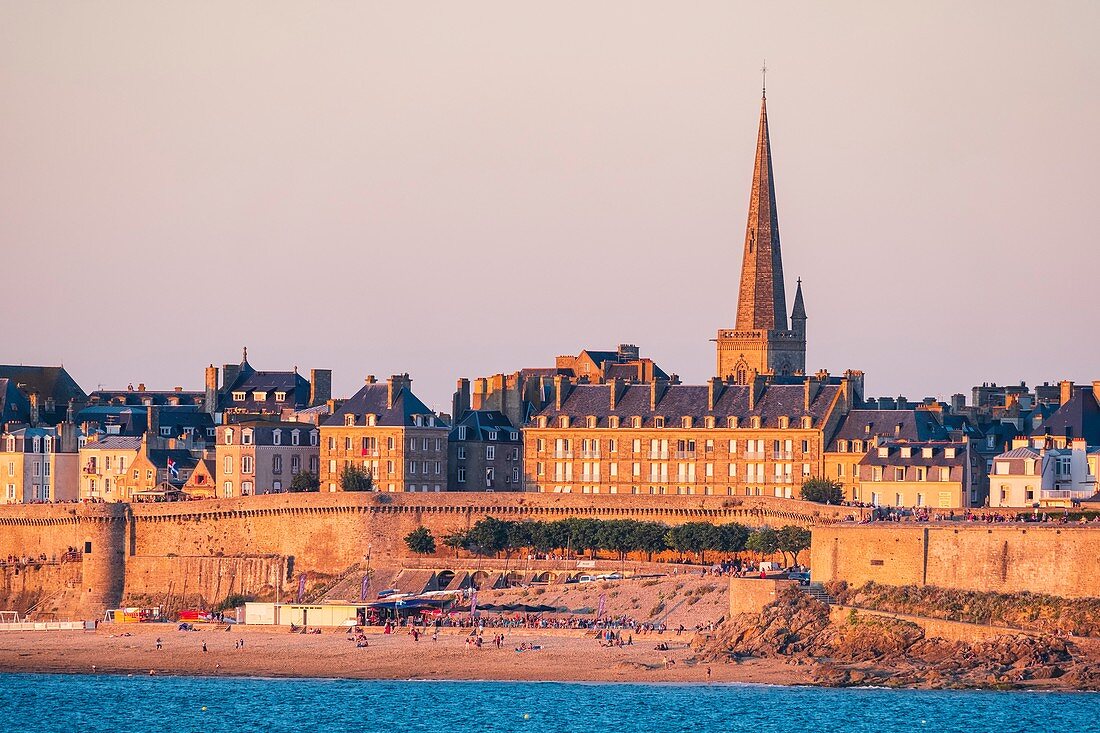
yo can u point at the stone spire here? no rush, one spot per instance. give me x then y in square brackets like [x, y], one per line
[799, 310]
[762, 303]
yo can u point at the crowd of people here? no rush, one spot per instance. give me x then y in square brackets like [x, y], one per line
[924, 514]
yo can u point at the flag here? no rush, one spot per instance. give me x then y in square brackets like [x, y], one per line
[473, 602]
[364, 588]
[301, 587]
[599, 610]
[172, 468]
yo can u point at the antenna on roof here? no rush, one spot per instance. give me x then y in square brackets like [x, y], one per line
[764, 80]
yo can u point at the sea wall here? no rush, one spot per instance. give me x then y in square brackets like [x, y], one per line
[1007, 558]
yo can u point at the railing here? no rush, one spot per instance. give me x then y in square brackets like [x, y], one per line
[1064, 494]
[782, 455]
[685, 454]
[753, 455]
[563, 454]
[590, 454]
[659, 455]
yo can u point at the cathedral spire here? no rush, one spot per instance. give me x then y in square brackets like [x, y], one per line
[799, 310]
[762, 303]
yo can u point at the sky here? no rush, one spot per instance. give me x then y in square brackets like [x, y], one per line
[461, 189]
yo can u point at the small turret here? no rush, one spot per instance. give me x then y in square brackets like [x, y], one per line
[798, 314]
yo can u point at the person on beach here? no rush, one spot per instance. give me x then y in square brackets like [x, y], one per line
[159, 644]
[204, 647]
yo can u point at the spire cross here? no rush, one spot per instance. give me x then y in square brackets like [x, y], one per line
[764, 78]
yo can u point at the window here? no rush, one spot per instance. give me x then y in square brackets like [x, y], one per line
[276, 463]
[227, 489]
[347, 443]
[658, 422]
[314, 464]
[945, 474]
[313, 437]
[239, 396]
[462, 475]
[462, 432]
[227, 465]
[246, 466]
[461, 454]
[259, 397]
[490, 475]
[349, 421]
[1002, 468]
[295, 437]
[246, 488]
[332, 465]
[490, 452]
[166, 431]
[331, 443]
[515, 475]
[295, 464]
[515, 454]
[899, 474]
[246, 437]
[277, 437]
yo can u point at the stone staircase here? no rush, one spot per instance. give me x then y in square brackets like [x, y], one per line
[817, 591]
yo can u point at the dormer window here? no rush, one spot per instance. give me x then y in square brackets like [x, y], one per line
[493, 435]
[417, 420]
[563, 421]
[543, 421]
[883, 452]
[732, 423]
[229, 436]
[708, 422]
[857, 446]
[906, 452]
[37, 445]
[349, 421]
[754, 422]
[246, 437]
[372, 420]
[613, 422]
[926, 452]
[47, 444]
[784, 422]
[636, 421]
[462, 432]
[313, 437]
[842, 446]
[807, 423]
[277, 437]
[166, 431]
[240, 396]
[259, 396]
[295, 437]
[948, 452]
[280, 396]
[591, 421]
[685, 422]
[513, 435]
[658, 422]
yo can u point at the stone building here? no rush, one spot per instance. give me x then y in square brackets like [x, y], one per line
[626, 362]
[386, 430]
[901, 473]
[37, 395]
[485, 453]
[761, 342]
[862, 430]
[1036, 473]
[247, 394]
[262, 457]
[39, 464]
[104, 459]
[760, 439]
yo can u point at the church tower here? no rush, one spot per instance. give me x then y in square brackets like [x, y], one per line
[761, 342]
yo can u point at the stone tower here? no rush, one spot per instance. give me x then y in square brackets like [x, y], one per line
[761, 342]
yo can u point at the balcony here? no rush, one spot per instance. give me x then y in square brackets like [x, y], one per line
[563, 454]
[782, 455]
[590, 454]
[682, 454]
[659, 455]
[753, 455]
[370, 452]
[1065, 494]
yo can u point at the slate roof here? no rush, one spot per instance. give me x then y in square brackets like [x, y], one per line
[249, 380]
[140, 397]
[116, 442]
[894, 458]
[681, 400]
[50, 383]
[1080, 415]
[372, 398]
[479, 423]
[912, 425]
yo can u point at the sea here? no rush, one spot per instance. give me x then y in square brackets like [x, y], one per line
[119, 704]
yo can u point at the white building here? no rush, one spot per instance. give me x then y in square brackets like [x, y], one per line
[1036, 474]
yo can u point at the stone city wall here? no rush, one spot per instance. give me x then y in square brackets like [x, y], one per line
[1008, 558]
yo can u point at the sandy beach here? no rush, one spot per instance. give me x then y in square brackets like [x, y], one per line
[565, 656]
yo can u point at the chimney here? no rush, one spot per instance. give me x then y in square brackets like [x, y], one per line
[230, 372]
[320, 386]
[809, 393]
[460, 404]
[958, 402]
[561, 390]
[714, 392]
[613, 392]
[152, 419]
[756, 389]
[141, 386]
[34, 408]
[628, 352]
[903, 403]
[1065, 391]
[394, 385]
[657, 389]
[481, 390]
[1096, 392]
[369, 380]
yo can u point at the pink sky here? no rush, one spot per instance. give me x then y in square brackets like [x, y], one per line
[457, 189]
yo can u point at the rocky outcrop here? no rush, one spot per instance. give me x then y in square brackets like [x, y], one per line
[875, 650]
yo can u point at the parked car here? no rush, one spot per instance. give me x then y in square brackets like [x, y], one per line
[610, 576]
[586, 579]
[801, 576]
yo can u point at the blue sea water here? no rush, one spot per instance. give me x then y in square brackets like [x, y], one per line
[185, 704]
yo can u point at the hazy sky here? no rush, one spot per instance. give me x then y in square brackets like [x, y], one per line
[463, 188]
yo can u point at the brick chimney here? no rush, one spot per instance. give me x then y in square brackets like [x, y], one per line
[561, 390]
[615, 388]
[210, 402]
[1065, 391]
[230, 372]
[34, 408]
[657, 389]
[320, 386]
[810, 388]
[756, 389]
[1096, 392]
[480, 391]
[394, 385]
[460, 404]
[152, 428]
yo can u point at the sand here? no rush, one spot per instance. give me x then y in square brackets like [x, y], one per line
[565, 656]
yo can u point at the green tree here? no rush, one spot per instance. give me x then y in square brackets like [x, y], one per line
[517, 536]
[763, 541]
[650, 538]
[792, 539]
[354, 478]
[733, 537]
[584, 535]
[456, 541]
[421, 541]
[695, 537]
[488, 536]
[305, 481]
[823, 491]
[616, 535]
[547, 536]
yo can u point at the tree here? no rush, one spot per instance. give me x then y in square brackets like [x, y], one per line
[488, 536]
[517, 536]
[697, 537]
[456, 541]
[421, 541]
[823, 491]
[616, 535]
[792, 539]
[763, 541]
[650, 538]
[583, 535]
[732, 537]
[354, 478]
[305, 481]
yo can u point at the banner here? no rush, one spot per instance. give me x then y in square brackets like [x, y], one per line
[599, 610]
[473, 602]
[301, 587]
[364, 588]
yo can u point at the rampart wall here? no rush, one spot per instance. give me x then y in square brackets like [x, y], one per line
[1006, 558]
[150, 549]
